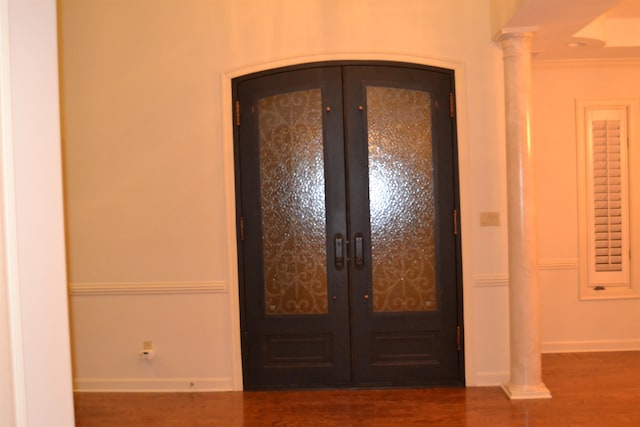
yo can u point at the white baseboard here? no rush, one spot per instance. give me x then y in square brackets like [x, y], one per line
[587, 346]
[484, 379]
[130, 385]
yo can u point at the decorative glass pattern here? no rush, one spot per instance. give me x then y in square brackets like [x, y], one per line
[293, 203]
[401, 199]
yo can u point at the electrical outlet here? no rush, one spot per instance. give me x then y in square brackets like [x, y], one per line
[146, 354]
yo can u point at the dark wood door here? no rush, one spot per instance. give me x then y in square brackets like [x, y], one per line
[348, 249]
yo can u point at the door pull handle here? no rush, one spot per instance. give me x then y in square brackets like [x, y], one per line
[338, 247]
[359, 243]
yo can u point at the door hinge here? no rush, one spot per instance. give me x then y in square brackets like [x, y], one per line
[237, 113]
[455, 222]
[459, 337]
[452, 105]
[242, 228]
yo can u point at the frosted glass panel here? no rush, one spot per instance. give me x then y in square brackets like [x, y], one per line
[401, 199]
[293, 203]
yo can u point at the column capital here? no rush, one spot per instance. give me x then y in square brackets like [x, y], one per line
[508, 32]
[516, 44]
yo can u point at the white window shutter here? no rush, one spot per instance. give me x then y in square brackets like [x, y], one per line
[607, 197]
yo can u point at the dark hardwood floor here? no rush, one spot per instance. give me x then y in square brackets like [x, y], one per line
[589, 389]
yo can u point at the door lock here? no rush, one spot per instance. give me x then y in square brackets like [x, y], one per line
[359, 242]
[338, 246]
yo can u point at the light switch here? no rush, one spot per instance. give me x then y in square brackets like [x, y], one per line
[489, 219]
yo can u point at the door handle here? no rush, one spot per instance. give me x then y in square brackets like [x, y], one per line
[359, 243]
[338, 248]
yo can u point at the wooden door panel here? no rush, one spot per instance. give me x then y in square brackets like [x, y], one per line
[398, 348]
[306, 350]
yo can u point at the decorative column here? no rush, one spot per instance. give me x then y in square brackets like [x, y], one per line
[524, 301]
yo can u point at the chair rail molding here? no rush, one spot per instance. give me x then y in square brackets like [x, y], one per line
[146, 288]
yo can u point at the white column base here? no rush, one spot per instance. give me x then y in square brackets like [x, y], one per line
[515, 392]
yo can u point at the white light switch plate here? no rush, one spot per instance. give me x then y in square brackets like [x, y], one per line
[489, 219]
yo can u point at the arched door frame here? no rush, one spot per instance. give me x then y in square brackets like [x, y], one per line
[230, 196]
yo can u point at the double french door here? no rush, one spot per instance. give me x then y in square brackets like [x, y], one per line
[349, 252]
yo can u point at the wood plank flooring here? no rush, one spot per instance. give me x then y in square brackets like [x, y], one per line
[589, 389]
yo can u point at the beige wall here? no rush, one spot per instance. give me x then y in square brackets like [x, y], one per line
[146, 127]
[567, 322]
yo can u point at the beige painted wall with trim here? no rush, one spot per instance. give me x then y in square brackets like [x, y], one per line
[149, 193]
[569, 324]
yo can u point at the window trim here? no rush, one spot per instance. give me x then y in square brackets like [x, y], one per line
[626, 284]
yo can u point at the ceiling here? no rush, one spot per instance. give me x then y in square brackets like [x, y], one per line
[580, 29]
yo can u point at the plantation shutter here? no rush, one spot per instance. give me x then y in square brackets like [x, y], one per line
[608, 198]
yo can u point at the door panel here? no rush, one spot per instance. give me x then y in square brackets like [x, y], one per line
[294, 306]
[404, 297]
[348, 258]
